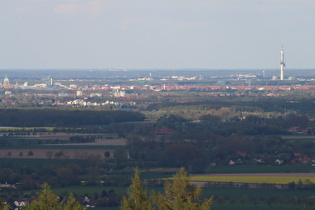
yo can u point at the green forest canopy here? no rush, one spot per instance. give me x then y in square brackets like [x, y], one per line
[54, 117]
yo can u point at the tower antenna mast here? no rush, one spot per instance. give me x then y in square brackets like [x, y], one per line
[282, 64]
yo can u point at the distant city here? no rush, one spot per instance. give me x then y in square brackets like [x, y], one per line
[115, 89]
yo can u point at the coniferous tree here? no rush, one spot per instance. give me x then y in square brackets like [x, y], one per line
[72, 204]
[137, 198]
[47, 200]
[180, 194]
[3, 205]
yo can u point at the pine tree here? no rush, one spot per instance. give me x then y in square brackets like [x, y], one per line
[3, 205]
[137, 198]
[72, 204]
[47, 200]
[181, 195]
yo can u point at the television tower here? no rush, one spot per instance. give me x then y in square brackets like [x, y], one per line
[282, 64]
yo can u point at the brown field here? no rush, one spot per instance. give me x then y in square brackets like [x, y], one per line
[102, 142]
[51, 153]
[61, 136]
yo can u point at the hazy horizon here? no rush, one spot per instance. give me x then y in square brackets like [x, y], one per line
[153, 69]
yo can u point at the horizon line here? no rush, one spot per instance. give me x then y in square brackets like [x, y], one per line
[150, 69]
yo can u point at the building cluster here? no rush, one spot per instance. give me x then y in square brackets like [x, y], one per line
[137, 91]
[279, 159]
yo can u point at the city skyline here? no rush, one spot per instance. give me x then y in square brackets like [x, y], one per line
[93, 34]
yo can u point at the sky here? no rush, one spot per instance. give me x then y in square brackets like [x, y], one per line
[156, 34]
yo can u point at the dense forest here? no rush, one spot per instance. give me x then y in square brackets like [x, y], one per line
[57, 117]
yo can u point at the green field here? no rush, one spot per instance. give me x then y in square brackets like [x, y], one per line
[298, 138]
[261, 169]
[264, 199]
[37, 163]
[253, 179]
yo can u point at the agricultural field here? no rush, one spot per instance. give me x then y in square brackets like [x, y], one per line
[271, 178]
[262, 199]
[43, 146]
[241, 169]
[101, 142]
[4, 129]
[53, 153]
[56, 135]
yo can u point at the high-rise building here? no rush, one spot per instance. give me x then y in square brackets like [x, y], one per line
[79, 93]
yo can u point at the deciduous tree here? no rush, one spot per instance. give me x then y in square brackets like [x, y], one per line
[107, 154]
[30, 153]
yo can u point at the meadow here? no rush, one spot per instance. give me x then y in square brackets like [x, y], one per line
[260, 169]
[283, 179]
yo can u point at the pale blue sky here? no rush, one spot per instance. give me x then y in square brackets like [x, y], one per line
[167, 34]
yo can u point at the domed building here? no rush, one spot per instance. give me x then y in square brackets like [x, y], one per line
[6, 81]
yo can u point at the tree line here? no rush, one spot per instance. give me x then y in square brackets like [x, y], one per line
[179, 193]
[47, 200]
[56, 117]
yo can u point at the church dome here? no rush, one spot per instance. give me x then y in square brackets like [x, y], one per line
[6, 81]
